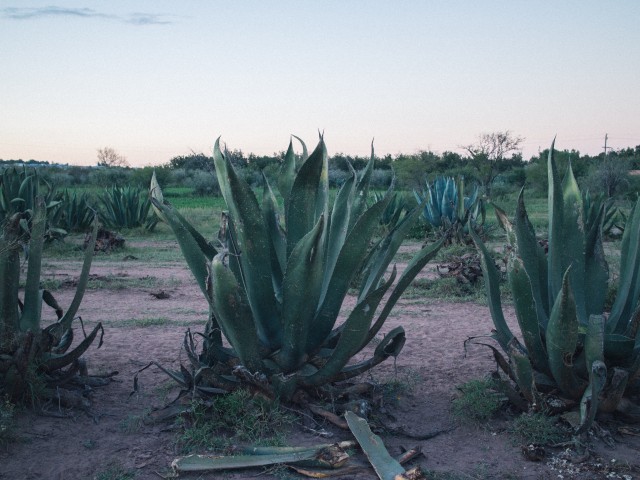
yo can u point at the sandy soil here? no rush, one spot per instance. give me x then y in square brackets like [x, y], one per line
[83, 445]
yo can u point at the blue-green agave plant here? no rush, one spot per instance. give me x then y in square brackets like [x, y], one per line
[276, 280]
[446, 206]
[570, 345]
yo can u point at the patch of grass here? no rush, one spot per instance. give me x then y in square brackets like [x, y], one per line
[477, 402]
[232, 418]
[7, 422]
[132, 423]
[115, 472]
[538, 428]
[117, 282]
[142, 322]
[446, 288]
[400, 385]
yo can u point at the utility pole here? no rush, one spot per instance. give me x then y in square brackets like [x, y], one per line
[606, 137]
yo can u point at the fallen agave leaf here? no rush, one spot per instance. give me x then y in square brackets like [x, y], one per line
[385, 466]
[323, 456]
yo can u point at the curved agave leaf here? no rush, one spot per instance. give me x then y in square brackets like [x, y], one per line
[416, 264]
[353, 334]
[69, 315]
[231, 308]
[533, 259]
[362, 191]
[492, 278]
[156, 192]
[56, 362]
[390, 346]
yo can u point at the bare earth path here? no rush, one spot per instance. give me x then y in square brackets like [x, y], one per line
[83, 446]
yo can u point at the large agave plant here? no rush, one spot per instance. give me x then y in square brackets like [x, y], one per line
[446, 206]
[275, 288]
[32, 356]
[571, 345]
[127, 207]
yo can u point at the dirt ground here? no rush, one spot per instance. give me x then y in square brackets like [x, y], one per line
[86, 445]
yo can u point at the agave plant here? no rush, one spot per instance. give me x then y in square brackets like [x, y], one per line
[571, 345]
[394, 211]
[18, 190]
[74, 213]
[31, 355]
[446, 207]
[127, 207]
[275, 289]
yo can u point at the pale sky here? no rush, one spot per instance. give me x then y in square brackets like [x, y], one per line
[156, 79]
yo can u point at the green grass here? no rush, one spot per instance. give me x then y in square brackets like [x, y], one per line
[233, 418]
[477, 401]
[538, 428]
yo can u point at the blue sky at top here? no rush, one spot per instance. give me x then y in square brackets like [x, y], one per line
[156, 79]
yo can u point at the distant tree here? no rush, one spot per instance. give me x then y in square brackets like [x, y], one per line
[490, 151]
[610, 175]
[108, 157]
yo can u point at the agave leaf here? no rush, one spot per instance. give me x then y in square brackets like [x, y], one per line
[301, 292]
[390, 346]
[596, 276]
[10, 275]
[350, 258]
[492, 278]
[533, 260]
[277, 235]
[69, 315]
[386, 251]
[526, 314]
[56, 362]
[416, 264]
[573, 231]
[287, 175]
[556, 240]
[338, 226]
[190, 247]
[353, 334]
[505, 223]
[308, 191]
[386, 467]
[253, 242]
[362, 191]
[205, 463]
[32, 311]
[590, 397]
[562, 339]
[231, 309]
[523, 373]
[156, 192]
[629, 284]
